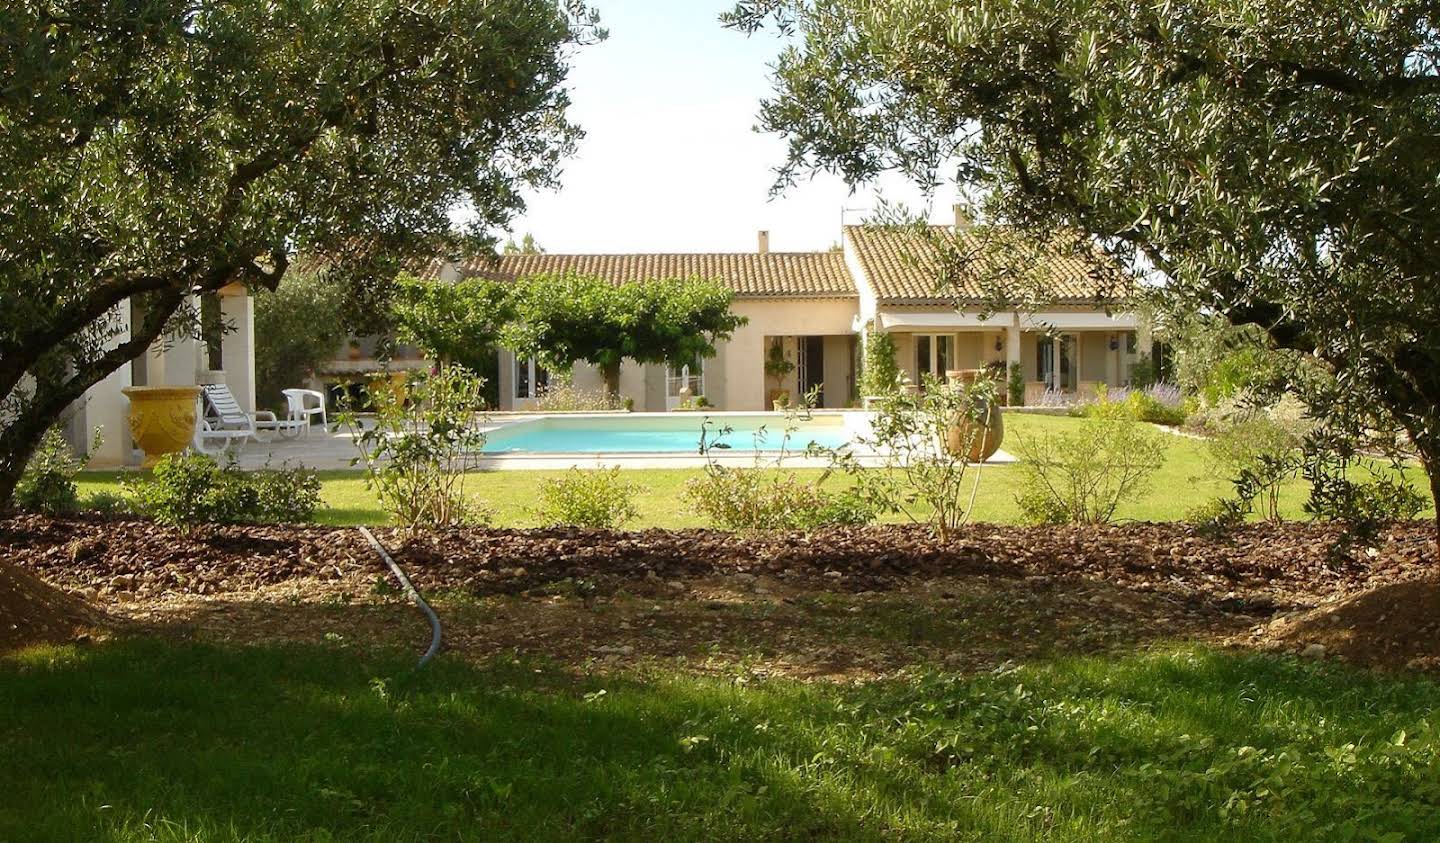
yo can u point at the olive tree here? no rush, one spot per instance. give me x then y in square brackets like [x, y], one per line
[564, 319]
[1275, 162]
[155, 149]
[298, 327]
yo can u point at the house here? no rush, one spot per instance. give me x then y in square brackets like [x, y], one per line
[819, 306]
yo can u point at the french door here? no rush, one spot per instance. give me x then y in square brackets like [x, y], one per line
[1056, 361]
[934, 355]
[691, 374]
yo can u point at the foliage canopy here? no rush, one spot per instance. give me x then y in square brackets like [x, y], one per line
[1274, 162]
[564, 319]
[153, 150]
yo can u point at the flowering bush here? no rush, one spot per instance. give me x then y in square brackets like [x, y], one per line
[1159, 403]
[599, 499]
[566, 398]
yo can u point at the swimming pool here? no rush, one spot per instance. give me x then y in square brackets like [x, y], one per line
[665, 433]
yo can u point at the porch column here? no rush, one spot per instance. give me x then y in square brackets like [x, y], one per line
[1144, 340]
[180, 363]
[1054, 381]
[237, 346]
[1012, 344]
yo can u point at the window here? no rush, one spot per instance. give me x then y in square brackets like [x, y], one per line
[531, 379]
[934, 354]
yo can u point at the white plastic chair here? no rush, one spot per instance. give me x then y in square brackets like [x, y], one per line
[301, 411]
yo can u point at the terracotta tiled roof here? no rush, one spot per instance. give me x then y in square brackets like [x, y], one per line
[750, 275]
[902, 267]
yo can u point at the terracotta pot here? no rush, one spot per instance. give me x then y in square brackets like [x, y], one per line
[162, 418]
[983, 443]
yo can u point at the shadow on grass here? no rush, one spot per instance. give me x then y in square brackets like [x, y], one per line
[149, 740]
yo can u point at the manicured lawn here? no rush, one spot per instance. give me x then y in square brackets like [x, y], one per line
[145, 740]
[1186, 480]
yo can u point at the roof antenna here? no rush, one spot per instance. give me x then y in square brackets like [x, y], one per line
[844, 210]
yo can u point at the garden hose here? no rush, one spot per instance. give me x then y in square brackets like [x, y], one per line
[414, 595]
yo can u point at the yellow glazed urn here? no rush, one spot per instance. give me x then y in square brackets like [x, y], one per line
[983, 439]
[162, 418]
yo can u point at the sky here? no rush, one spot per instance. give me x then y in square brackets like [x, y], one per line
[670, 161]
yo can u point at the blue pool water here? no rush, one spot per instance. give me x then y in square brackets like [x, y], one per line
[659, 434]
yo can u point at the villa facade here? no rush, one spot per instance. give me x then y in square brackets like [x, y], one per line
[819, 306]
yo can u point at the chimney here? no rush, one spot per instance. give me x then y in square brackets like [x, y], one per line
[764, 238]
[962, 219]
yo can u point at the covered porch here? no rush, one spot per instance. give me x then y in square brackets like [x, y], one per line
[1065, 353]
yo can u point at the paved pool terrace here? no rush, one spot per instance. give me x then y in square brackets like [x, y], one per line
[334, 450]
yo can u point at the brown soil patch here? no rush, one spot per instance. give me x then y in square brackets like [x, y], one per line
[1394, 625]
[32, 612]
[836, 603]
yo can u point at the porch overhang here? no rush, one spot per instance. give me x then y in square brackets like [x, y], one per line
[920, 320]
[1093, 320]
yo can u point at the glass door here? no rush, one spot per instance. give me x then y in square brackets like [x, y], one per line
[1069, 370]
[934, 355]
[812, 368]
[691, 374]
[1055, 362]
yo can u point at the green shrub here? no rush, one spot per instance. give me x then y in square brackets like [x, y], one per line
[1218, 514]
[425, 436]
[920, 475]
[599, 499]
[186, 490]
[753, 499]
[108, 503]
[48, 483]
[1364, 505]
[879, 371]
[1258, 452]
[1082, 477]
[1143, 374]
[298, 327]
[286, 495]
[1015, 385]
[1156, 404]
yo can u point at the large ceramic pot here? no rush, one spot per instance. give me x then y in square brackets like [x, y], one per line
[982, 443]
[162, 418]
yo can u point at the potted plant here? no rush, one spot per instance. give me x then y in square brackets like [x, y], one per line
[777, 366]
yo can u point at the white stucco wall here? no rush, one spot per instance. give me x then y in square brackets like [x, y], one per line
[745, 384]
[104, 407]
[1094, 355]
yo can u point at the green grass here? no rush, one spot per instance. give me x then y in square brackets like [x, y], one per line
[143, 740]
[1186, 480]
